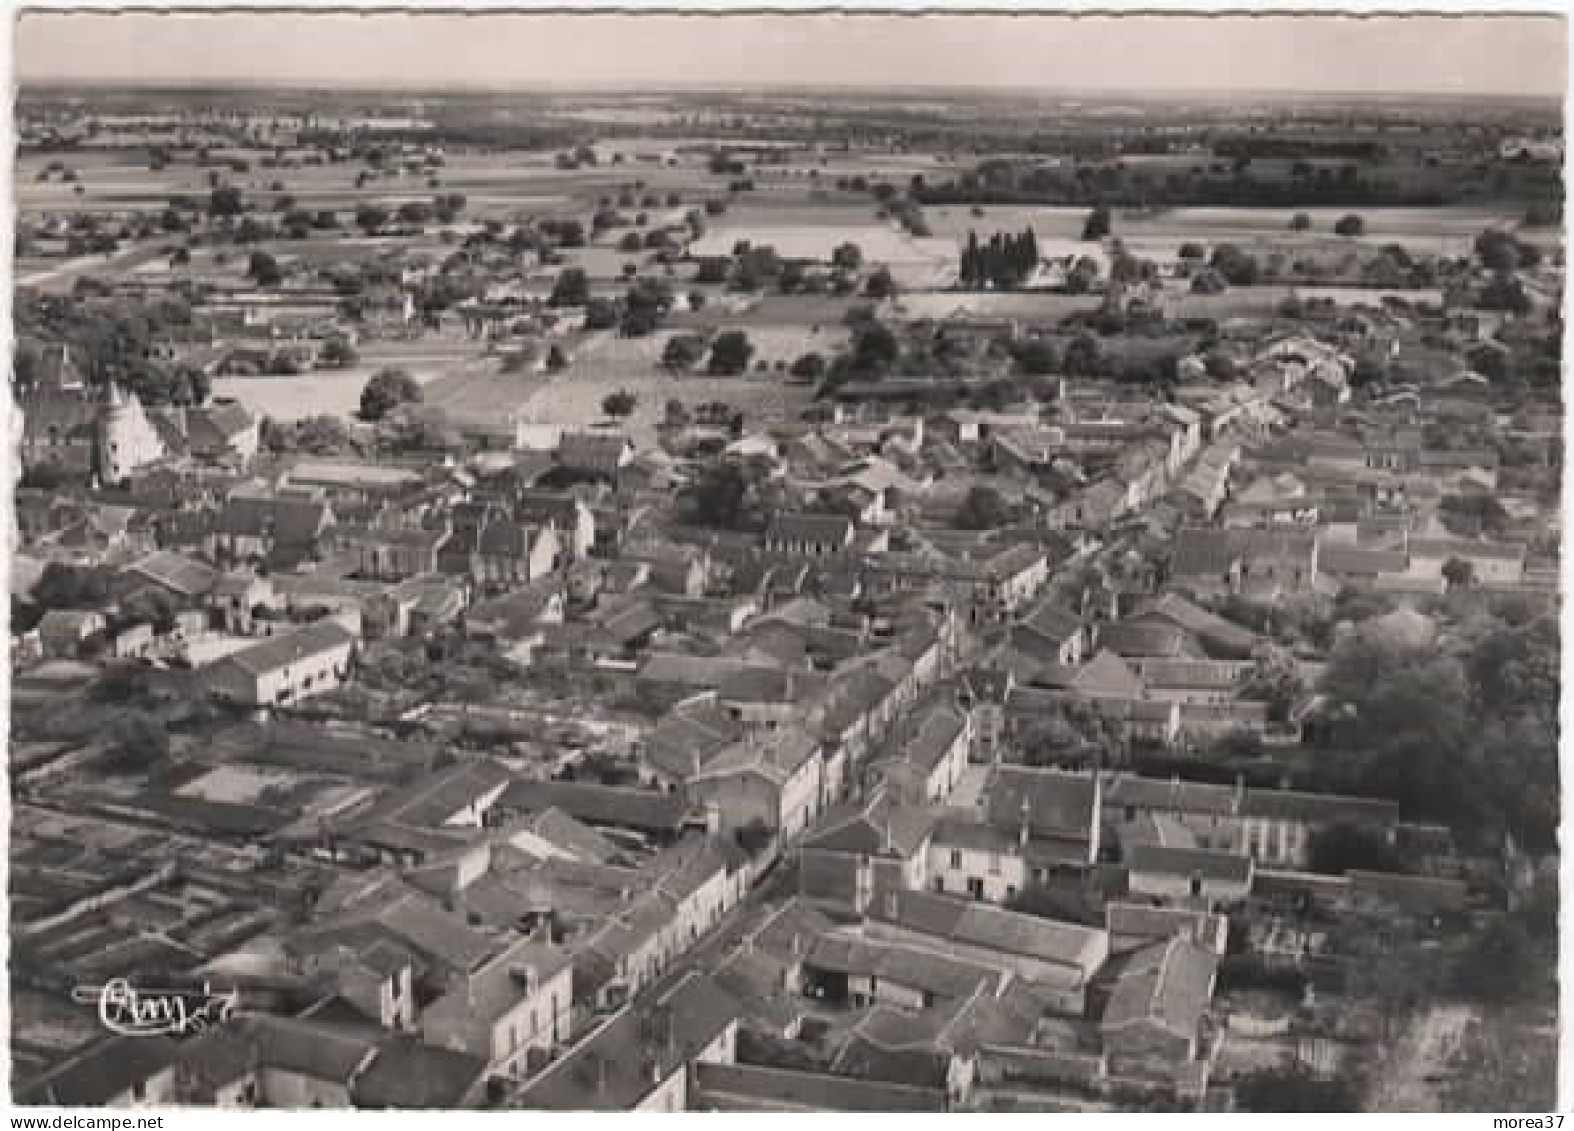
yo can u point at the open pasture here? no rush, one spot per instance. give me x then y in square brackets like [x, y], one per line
[337, 392]
[1446, 231]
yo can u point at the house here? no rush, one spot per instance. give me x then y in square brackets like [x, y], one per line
[1220, 638]
[494, 550]
[809, 535]
[573, 520]
[1493, 563]
[518, 615]
[1052, 808]
[1192, 681]
[1133, 926]
[1060, 958]
[1182, 873]
[265, 1060]
[864, 971]
[255, 527]
[643, 1058]
[239, 600]
[1152, 1025]
[408, 1075]
[181, 577]
[756, 1088]
[390, 553]
[1051, 635]
[659, 816]
[1261, 562]
[602, 454]
[1272, 826]
[930, 761]
[861, 852]
[220, 432]
[515, 1005]
[284, 669]
[119, 1072]
[773, 778]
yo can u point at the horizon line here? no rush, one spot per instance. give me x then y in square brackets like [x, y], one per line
[453, 86]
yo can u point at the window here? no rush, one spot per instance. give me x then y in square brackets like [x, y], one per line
[975, 887]
[994, 864]
[956, 858]
[1196, 886]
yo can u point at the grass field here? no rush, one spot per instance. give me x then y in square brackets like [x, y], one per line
[1448, 231]
[601, 366]
[337, 392]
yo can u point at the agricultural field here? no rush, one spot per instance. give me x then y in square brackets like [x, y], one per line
[607, 364]
[1447, 231]
[337, 392]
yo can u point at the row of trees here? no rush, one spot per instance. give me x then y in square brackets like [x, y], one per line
[1004, 262]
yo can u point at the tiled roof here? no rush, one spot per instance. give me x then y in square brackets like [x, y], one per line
[103, 1072]
[979, 924]
[279, 651]
[749, 1087]
[410, 1075]
[1053, 802]
[1174, 860]
[1169, 984]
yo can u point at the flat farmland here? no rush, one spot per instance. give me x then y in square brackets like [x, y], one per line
[1448, 231]
[602, 366]
[878, 243]
[337, 392]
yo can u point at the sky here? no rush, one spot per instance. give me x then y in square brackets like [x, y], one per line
[1391, 55]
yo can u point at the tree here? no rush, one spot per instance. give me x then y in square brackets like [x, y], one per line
[1459, 573]
[810, 367]
[572, 288]
[139, 743]
[1350, 225]
[386, 391]
[1097, 225]
[1276, 1090]
[338, 353]
[370, 218]
[1238, 268]
[630, 243]
[620, 404]
[719, 498]
[1300, 222]
[730, 354]
[880, 284]
[982, 509]
[848, 257]
[263, 270]
[683, 352]
[1036, 357]
[225, 201]
[1191, 251]
[1083, 357]
[1340, 848]
[601, 314]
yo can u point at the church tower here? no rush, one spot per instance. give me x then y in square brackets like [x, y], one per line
[127, 439]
